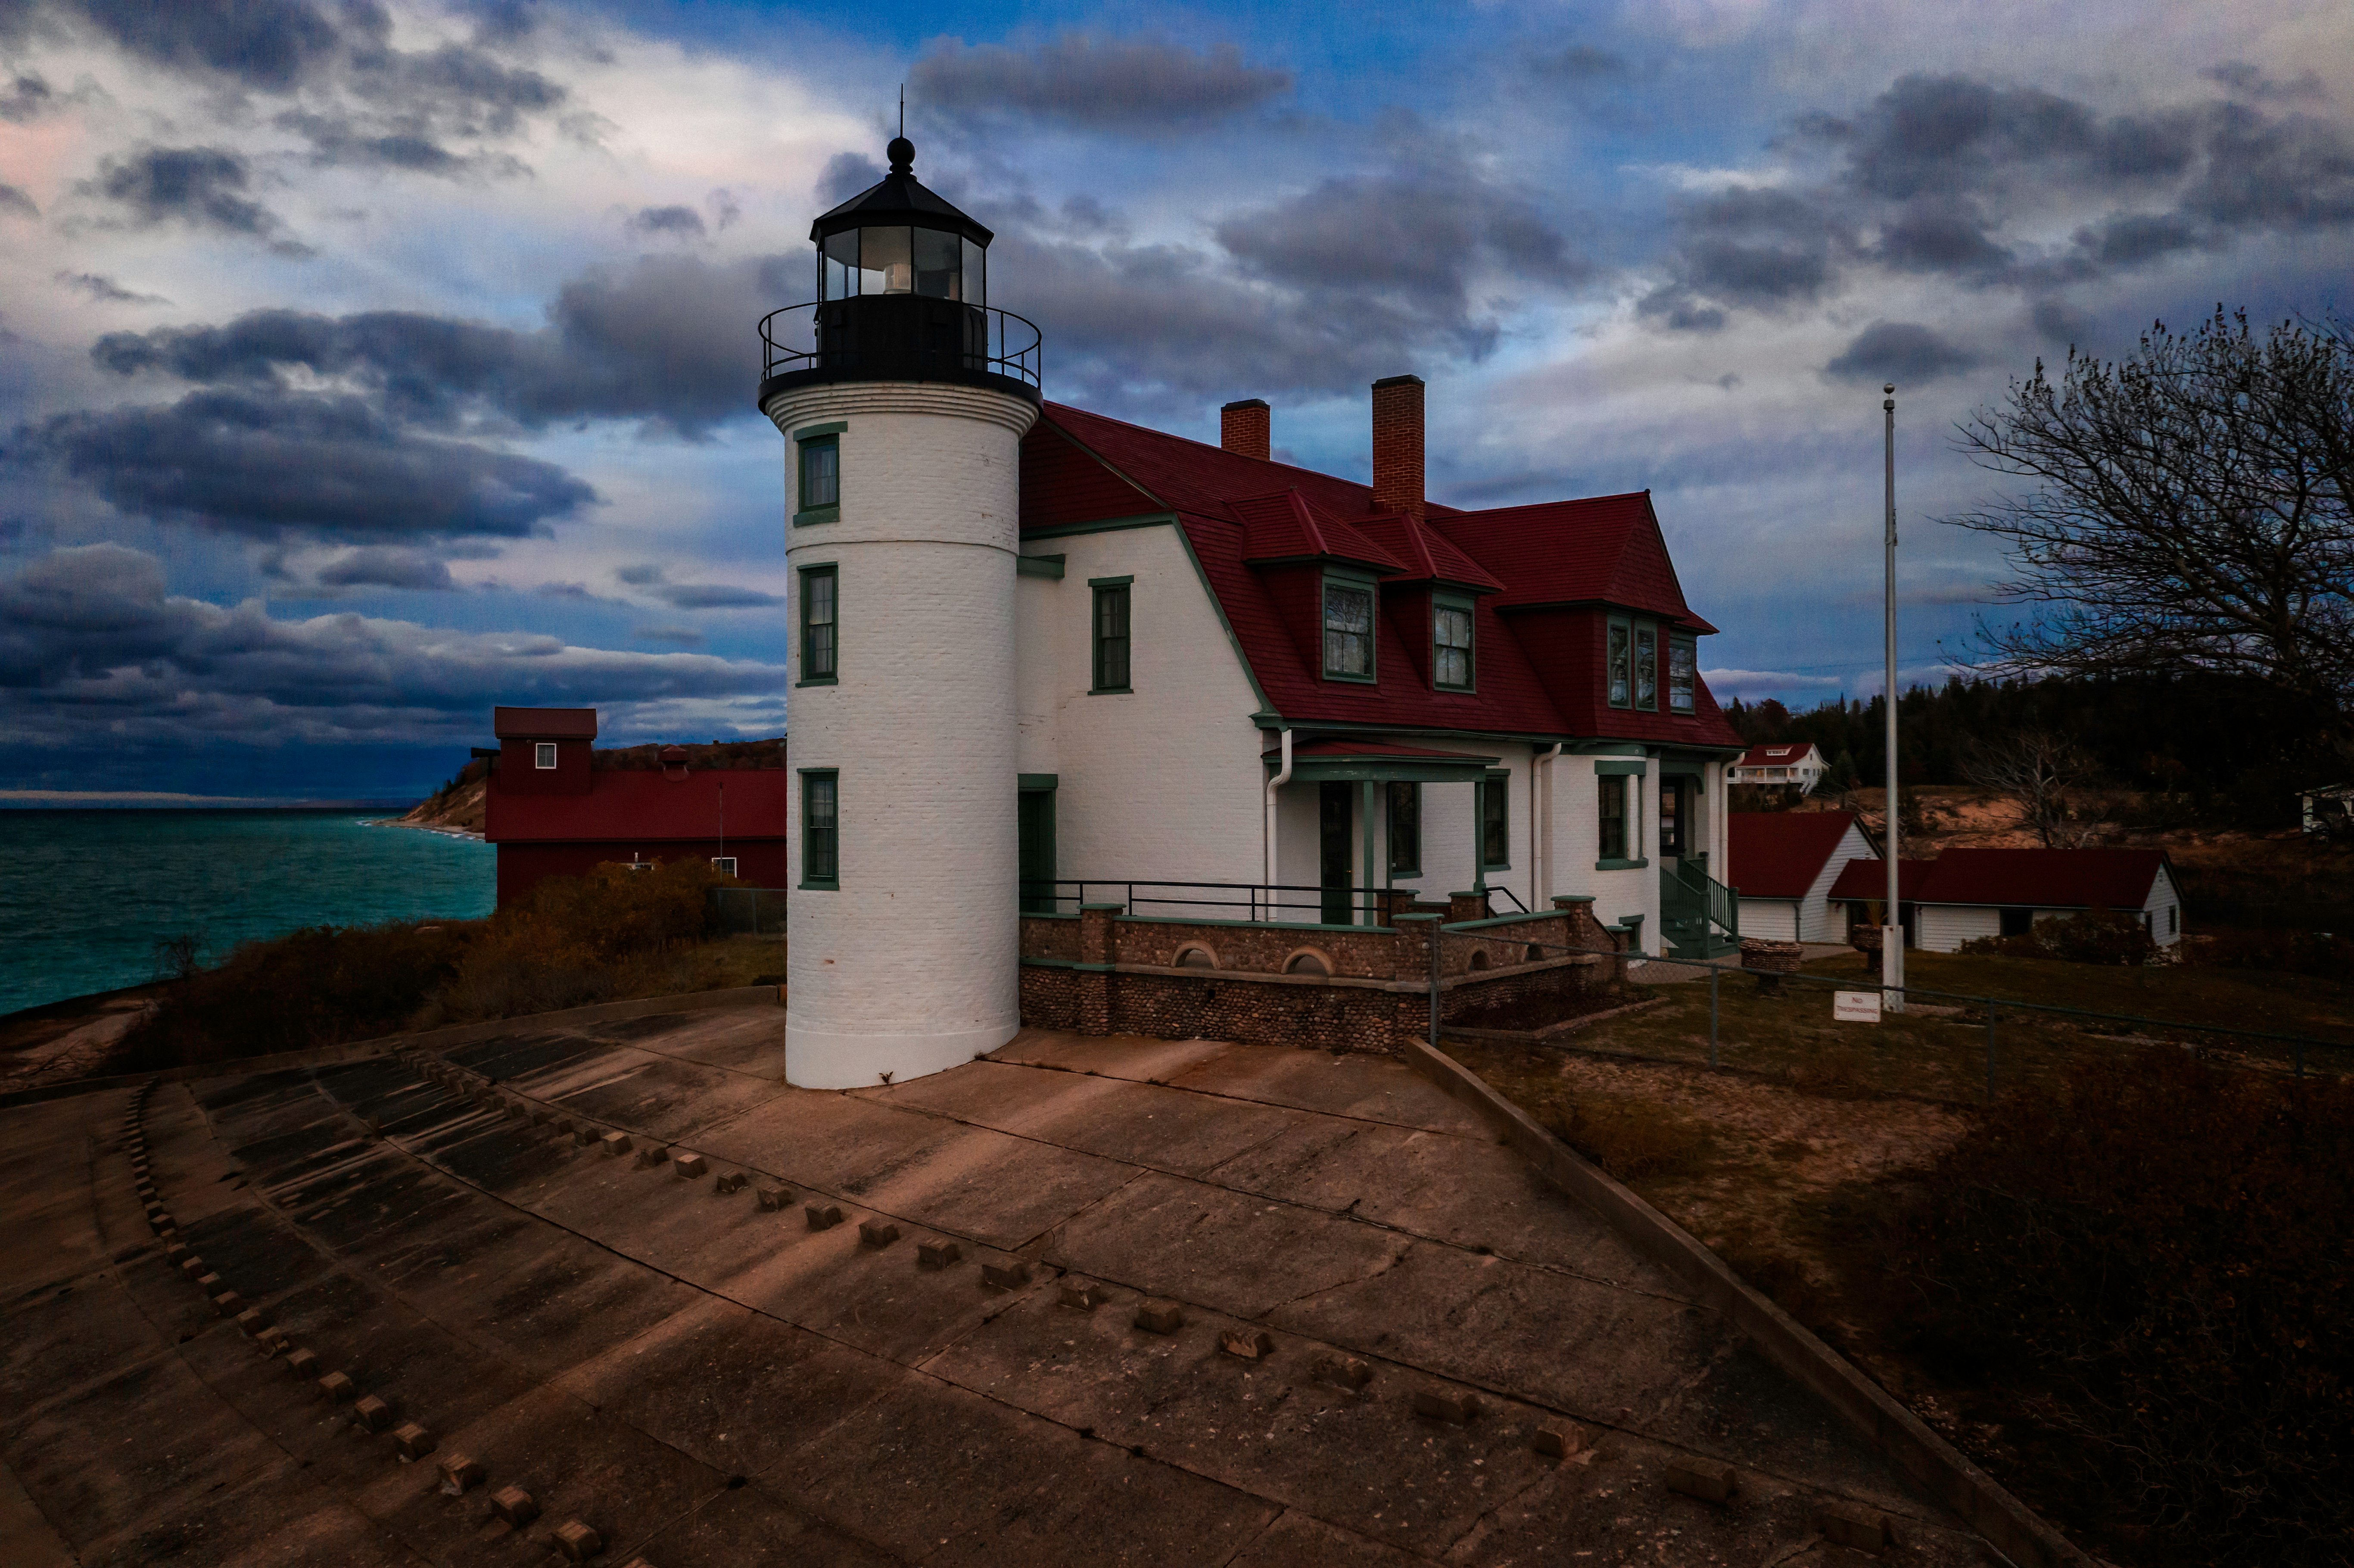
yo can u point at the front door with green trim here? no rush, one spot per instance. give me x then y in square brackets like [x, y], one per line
[1037, 852]
[1332, 851]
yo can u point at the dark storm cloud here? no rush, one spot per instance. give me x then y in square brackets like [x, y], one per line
[670, 341]
[654, 580]
[265, 44]
[106, 291]
[683, 636]
[203, 187]
[1902, 352]
[377, 566]
[1578, 63]
[681, 222]
[845, 174]
[1131, 85]
[2244, 81]
[92, 646]
[270, 463]
[1419, 233]
[1931, 175]
[26, 97]
[13, 200]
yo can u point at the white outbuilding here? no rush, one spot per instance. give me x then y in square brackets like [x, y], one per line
[1966, 893]
[1790, 861]
[1782, 765]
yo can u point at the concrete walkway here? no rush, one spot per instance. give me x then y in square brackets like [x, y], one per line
[704, 1379]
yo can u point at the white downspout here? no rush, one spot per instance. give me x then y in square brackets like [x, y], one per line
[1541, 875]
[1282, 777]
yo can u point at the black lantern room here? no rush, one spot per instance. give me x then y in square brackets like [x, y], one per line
[902, 295]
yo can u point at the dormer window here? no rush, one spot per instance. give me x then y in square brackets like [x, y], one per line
[1348, 629]
[1684, 661]
[1451, 668]
[1647, 667]
[1620, 661]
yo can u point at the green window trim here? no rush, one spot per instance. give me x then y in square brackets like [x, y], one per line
[1618, 661]
[1404, 808]
[1495, 824]
[809, 432]
[1614, 799]
[1039, 566]
[821, 829]
[1631, 766]
[1646, 663]
[1349, 584]
[1621, 865]
[1447, 605]
[1109, 635]
[820, 626]
[1037, 780]
[1683, 672]
[817, 484]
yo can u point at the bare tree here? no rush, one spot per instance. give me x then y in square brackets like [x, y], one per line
[2044, 774]
[2192, 508]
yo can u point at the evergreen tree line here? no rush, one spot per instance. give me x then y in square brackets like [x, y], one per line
[2200, 747]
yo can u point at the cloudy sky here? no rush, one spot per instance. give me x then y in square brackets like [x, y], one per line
[364, 363]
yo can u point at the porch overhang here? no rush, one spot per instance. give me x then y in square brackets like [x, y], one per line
[1355, 762]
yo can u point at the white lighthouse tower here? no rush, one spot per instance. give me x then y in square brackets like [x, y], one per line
[902, 399]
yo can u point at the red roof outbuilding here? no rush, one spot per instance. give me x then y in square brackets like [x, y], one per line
[1778, 855]
[1867, 880]
[2046, 878]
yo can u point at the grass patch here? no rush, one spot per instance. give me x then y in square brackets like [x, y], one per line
[610, 936]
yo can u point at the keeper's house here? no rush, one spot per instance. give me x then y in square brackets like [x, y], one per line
[1966, 893]
[1045, 661]
[1781, 765]
[554, 806]
[1789, 862]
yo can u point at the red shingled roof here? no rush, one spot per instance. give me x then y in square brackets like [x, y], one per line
[2045, 878]
[1290, 527]
[1868, 879]
[645, 806]
[1775, 753]
[543, 724]
[1078, 467]
[1778, 855]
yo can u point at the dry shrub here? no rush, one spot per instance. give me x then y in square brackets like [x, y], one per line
[2316, 953]
[2151, 1270]
[1630, 1138]
[2094, 937]
[1830, 1073]
[572, 940]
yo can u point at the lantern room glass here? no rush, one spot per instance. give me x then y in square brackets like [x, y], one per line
[896, 260]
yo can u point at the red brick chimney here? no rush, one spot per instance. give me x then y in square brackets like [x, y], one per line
[1397, 444]
[1244, 427]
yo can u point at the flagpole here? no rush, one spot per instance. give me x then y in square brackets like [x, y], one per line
[1891, 932]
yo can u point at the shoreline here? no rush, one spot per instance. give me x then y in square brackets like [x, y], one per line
[425, 828]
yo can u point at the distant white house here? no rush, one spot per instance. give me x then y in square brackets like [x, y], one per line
[2328, 811]
[1782, 764]
[1966, 893]
[1788, 861]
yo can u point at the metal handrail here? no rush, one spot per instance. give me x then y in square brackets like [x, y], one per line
[1014, 347]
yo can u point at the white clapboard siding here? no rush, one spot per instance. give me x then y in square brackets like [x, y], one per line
[1818, 920]
[1944, 927]
[1774, 919]
[2164, 907]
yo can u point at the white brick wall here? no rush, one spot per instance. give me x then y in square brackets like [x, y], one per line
[911, 967]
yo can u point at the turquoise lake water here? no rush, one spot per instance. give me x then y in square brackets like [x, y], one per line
[85, 897]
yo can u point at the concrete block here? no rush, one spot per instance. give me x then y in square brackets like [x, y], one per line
[587, 1137]
[730, 1182]
[1160, 1316]
[174, 1252]
[458, 1472]
[652, 1155]
[1854, 1526]
[565, 1127]
[938, 1253]
[302, 1363]
[1010, 1275]
[577, 1541]
[372, 1414]
[772, 1199]
[1558, 1442]
[1251, 1344]
[228, 1303]
[877, 1233]
[514, 1505]
[211, 1284]
[193, 1266]
[337, 1388]
[1343, 1371]
[541, 1115]
[272, 1341]
[1711, 1480]
[412, 1439]
[823, 1217]
[252, 1322]
[615, 1143]
[1456, 1408]
[1085, 1297]
[159, 1222]
[690, 1165]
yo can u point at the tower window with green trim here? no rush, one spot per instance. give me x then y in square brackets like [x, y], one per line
[1111, 638]
[1348, 630]
[1619, 660]
[1612, 789]
[1647, 668]
[1450, 645]
[1683, 662]
[820, 830]
[820, 644]
[1496, 822]
[820, 484]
